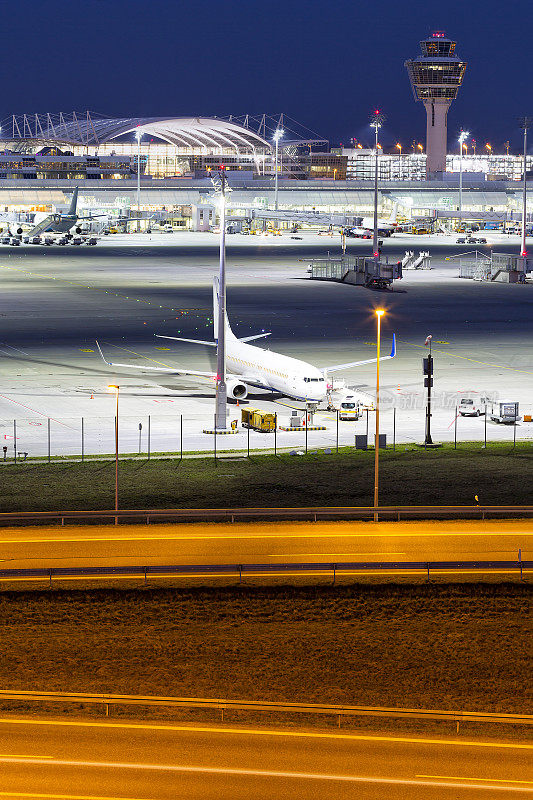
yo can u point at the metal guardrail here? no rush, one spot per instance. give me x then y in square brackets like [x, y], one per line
[243, 570]
[267, 706]
[308, 513]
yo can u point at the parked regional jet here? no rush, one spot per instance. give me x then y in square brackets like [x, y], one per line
[386, 227]
[57, 223]
[251, 366]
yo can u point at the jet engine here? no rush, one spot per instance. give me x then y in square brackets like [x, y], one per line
[236, 389]
[77, 230]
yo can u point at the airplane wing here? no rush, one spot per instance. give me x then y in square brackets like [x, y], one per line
[180, 339]
[255, 336]
[210, 344]
[175, 371]
[338, 367]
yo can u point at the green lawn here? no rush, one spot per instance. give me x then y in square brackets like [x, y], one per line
[498, 475]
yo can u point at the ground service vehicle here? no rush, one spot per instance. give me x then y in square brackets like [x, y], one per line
[349, 408]
[506, 412]
[258, 420]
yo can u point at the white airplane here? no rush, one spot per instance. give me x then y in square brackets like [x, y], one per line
[251, 366]
[55, 223]
[386, 227]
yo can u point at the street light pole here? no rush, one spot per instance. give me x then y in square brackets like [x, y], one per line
[278, 133]
[116, 389]
[376, 122]
[379, 313]
[138, 135]
[221, 387]
[462, 138]
[525, 123]
[428, 381]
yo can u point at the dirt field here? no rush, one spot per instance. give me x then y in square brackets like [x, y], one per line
[451, 647]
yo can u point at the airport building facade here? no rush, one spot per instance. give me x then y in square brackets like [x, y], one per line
[44, 157]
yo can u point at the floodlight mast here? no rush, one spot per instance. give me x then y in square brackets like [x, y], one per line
[525, 123]
[463, 136]
[138, 136]
[221, 387]
[278, 133]
[376, 122]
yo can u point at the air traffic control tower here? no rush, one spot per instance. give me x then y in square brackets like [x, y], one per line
[436, 76]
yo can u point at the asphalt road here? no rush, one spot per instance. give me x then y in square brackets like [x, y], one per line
[274, 543]
[77, 760]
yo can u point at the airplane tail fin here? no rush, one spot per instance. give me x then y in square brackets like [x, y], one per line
[393, 213]
[73, 202]
[229, 332]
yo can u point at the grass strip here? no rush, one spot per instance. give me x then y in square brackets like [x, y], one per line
[499, 474]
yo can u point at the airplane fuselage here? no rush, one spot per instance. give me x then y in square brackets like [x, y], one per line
[274, 371]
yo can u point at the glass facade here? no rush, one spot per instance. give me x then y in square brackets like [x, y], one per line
[412, 167]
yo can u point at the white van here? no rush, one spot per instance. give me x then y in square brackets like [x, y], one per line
[349, 408]
[473, 405]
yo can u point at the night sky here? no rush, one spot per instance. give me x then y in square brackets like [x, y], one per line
[325, 64]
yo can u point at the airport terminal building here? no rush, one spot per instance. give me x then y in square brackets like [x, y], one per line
[42, 157]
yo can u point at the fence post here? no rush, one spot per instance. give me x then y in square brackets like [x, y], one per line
[181, 437]
[367, 424]
[485, 445]
[305, 425]
[455, 429]
[149, 437]
[215, 437]
[248, 441]
[337, 431]
[394, 428]
[15, 439]
[49, 440]
[82, 441]
[514, 435]
[276, 433]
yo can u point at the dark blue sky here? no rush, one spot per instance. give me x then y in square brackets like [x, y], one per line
[325, 64]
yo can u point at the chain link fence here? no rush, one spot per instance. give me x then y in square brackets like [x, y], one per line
[28, 438]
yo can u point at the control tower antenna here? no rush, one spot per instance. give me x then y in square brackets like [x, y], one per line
[435, 77]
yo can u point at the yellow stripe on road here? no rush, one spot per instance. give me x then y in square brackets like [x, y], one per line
[262, 732]
[464, 778]
[329, 555]
[8, 755]
[249, 536]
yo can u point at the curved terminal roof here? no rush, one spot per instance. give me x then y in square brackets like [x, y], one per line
[194, 132]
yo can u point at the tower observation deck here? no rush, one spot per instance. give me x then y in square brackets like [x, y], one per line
[435, 77]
